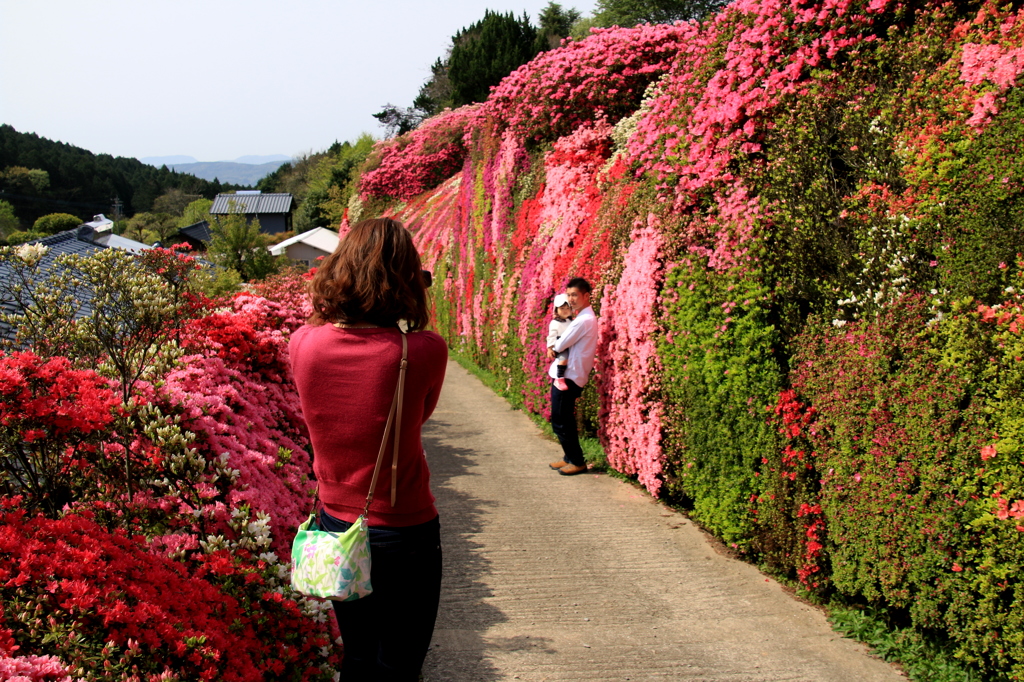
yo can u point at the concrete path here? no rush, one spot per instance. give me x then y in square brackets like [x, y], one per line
[549, 577]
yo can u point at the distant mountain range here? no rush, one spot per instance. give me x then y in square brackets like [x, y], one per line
[245, 170]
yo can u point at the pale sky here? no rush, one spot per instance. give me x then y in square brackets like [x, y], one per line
[220, 79]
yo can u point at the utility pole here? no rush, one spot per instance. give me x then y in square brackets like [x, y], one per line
[116, 208]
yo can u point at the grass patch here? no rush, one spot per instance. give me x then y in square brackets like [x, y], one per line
[923, 661]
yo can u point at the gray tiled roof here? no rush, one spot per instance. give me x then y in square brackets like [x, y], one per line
[250, 204]
[199, 231]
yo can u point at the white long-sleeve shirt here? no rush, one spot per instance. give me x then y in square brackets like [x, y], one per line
[581, 341]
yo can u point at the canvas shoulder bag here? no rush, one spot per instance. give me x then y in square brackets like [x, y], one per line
[337, 565]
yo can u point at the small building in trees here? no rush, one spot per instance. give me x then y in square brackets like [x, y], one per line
[273, 210]
[308, 246]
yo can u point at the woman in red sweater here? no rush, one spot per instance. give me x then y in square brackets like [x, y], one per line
[346, 364]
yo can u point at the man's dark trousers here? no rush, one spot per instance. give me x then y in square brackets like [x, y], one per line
[563, 421]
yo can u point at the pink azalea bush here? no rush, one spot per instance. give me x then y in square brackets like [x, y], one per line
[602, 77]
[33, 669]
[420, 159]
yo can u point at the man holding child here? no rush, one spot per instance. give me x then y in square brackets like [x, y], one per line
[580, 339]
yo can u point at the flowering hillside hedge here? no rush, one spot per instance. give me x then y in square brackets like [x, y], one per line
[154, 466]
[803, 221]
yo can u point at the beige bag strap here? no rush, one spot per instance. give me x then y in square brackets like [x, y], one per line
[394, 415]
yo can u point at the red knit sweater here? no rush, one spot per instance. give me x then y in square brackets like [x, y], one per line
[346, 380]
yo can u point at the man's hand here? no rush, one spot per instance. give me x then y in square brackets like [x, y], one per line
[551, 354]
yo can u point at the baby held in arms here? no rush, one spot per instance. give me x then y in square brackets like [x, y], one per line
[557, 326]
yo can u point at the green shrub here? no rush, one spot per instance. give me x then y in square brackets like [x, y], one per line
[56, 222]
[721, 373]
[15, 238]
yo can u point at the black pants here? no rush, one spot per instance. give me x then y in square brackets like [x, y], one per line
[387, 634]
[563, 421]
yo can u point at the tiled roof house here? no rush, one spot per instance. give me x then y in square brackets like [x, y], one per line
[274, 211]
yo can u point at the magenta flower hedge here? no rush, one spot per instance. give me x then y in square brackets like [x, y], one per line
[803, 222]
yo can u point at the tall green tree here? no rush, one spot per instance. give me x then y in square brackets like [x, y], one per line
[195, 212]
[479, 57]
[486, 52]
[174, 201]
[24, 180]
[633, 12]
[556, 23]
[150, 228]
[8, 221]
[241, 247]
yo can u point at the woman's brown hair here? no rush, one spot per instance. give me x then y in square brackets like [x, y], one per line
[373, 276]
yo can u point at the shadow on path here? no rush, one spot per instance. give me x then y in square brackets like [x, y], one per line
[461, 524]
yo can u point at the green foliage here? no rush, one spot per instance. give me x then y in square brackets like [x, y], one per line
[633, 12]
[436, 93]
[85, 182]
[986, 344]
[9, 222]
[241, 247]
[980, 209]
[22, 237]
[322, 183]
[923, 660]
[216, 282]
[272, 181]
[196, 212]
[174, 201]
[721, 373]
[56, 222]
[150, 228]
[581, 28]
[556, 23]
[486, 52]
[892, 441]
[24, 180]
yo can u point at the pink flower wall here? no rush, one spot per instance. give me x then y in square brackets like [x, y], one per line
[724, 185]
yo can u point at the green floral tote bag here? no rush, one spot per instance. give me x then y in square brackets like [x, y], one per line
[331, 565]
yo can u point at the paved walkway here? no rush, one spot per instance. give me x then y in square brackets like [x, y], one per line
[550, 577]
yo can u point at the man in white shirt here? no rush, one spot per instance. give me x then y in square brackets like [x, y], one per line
[581, 341]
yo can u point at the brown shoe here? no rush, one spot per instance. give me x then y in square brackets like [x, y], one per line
[573, 469]
[558, 465]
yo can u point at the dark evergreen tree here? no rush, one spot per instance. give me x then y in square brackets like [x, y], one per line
[486, 52]
[480, 56]
[436, 93]
[555, 24]
[633, 12]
